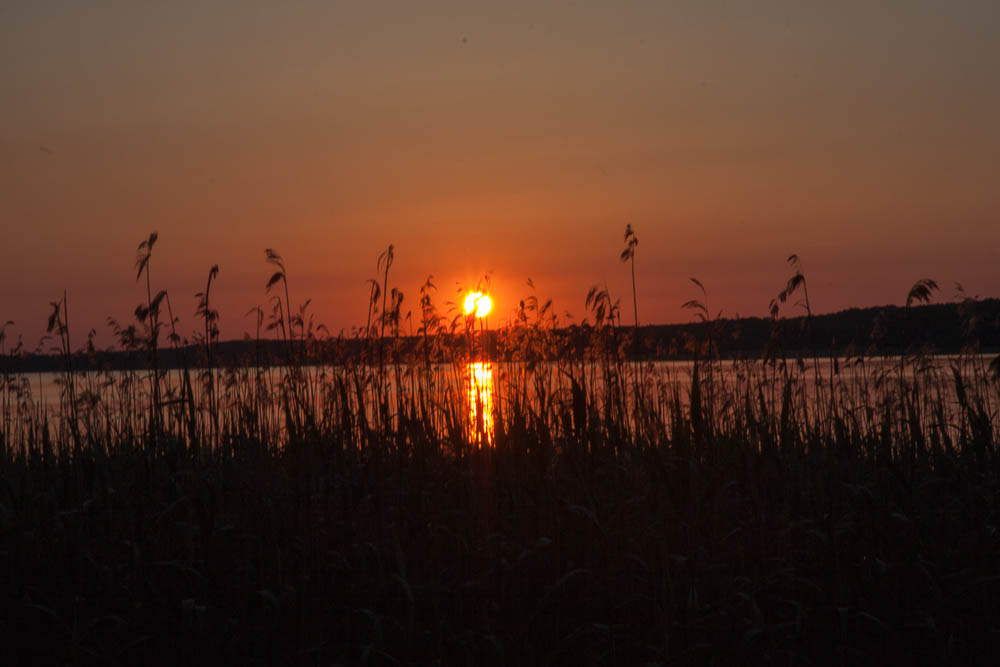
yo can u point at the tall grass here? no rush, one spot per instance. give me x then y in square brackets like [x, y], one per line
[342, 502]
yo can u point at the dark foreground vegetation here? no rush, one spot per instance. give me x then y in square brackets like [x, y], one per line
[587, 510]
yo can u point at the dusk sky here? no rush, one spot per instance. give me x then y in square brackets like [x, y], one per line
[512, 138]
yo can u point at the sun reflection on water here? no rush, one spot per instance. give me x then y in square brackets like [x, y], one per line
[480, 403]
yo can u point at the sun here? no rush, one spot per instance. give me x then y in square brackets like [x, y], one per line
[478, 302]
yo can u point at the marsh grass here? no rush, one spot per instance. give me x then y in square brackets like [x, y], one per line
[838, 510]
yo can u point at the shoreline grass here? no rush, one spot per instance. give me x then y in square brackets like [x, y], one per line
[808, 511]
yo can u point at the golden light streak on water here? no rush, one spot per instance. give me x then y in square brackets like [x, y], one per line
[480, 399]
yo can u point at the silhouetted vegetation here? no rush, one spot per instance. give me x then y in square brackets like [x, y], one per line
[816, 490]
[942, 328]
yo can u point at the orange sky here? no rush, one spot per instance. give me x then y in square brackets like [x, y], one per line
[508, 138]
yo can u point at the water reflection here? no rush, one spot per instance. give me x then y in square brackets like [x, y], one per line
[480, 399]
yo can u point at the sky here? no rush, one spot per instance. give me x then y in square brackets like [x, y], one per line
[510, 139]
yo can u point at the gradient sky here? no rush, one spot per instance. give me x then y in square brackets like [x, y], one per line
[514, 137]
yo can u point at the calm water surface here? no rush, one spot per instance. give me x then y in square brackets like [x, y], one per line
[484, 386]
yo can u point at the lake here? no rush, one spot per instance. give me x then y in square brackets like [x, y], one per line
[478, 394]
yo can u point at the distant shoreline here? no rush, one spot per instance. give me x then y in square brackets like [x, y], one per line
[939, 328]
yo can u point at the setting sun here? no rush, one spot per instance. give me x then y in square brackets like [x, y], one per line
[479, 302]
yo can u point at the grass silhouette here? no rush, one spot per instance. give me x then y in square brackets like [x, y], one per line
[803, 510]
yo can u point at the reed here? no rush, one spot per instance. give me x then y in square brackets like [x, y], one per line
[341, 501]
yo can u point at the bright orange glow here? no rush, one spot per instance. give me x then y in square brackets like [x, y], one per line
[479, 302]
[470, 301]
[481, 403]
